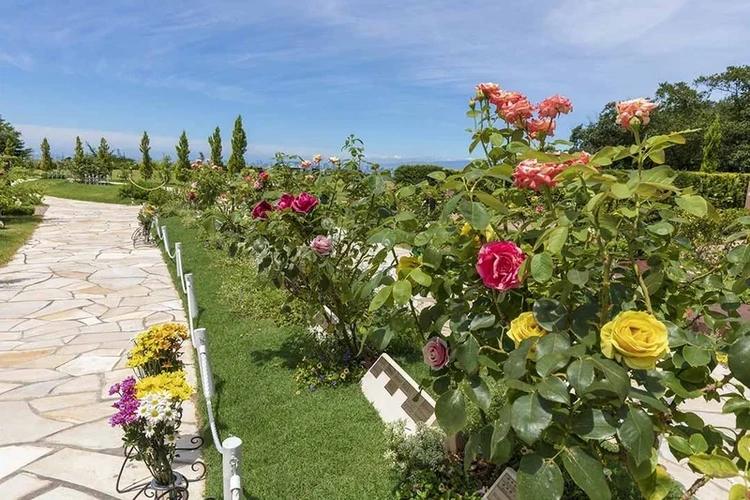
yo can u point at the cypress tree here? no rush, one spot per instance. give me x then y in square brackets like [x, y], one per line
[147, 165]
[46, 163]
[711, 146]
[214, 141]
[78, 154]
[239, 147]
[104, 157]
[182, 166]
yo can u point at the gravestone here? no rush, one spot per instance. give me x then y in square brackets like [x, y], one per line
[395, 395]
[504, 488]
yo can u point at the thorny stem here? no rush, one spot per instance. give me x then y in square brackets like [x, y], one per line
[698, 484]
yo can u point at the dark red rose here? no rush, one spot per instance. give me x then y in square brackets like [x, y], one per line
[260, 210]
[304, 203]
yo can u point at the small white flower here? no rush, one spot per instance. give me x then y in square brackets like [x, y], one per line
[143, 411]
[150, 431]
[171, 438]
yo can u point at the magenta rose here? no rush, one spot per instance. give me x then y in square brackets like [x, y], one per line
[191, 195]
[321, 245]
[304, 203]
[260, 210]
[435, 353]
[498, 265]
[285, 201]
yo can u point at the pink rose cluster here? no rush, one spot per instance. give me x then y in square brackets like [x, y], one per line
[530, 174]
[636, 108]
[498, 263]
[516, 109]
[303, 203]
[435, 353]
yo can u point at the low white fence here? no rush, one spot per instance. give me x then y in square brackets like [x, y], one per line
[231, 448]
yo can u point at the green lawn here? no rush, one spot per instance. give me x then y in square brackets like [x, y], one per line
[85, 192]
[17, 231]
[323, 445]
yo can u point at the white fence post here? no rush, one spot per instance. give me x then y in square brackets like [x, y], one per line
[207, 376]
[178, 259]
[165, 237]
[231, 462]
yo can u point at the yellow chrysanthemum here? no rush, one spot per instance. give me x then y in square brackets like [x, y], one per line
[172, 382]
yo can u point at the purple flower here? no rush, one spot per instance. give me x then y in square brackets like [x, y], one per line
[114, 389]
[127, 404]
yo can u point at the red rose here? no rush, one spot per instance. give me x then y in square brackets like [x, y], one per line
[191, 196]
[263, 176]
[498, 265]
[304, 203]
[259, 210]
[435, 353]
[285, 201]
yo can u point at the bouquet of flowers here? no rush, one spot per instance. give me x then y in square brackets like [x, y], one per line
[157, 350]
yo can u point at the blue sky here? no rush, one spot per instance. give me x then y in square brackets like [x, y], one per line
[304, 75]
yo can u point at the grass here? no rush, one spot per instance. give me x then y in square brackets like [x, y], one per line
[296, 444]
[17, 231]
[85, 192]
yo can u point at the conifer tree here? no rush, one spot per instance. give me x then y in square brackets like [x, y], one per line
[711, 146]
[147, 165]
[104, 157]
[182, 166]
[78, 154]
[46, 163]
[239, 147]
[214, 141]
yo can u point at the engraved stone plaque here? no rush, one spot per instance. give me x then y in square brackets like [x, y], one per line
[504, 488]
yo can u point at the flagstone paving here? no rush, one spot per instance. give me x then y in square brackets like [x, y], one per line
[71, 301]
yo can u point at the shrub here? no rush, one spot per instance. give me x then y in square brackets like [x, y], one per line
[414, 174]
[139, 191]
[161, 197]
[723, 190]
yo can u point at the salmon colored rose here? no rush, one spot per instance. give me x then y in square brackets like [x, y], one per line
[636, 338]
[304, 203]
[525, 327]
[435, 353]
[260, 211]
[285, 201]
[498, 264]
[640, 109]
[553, 106]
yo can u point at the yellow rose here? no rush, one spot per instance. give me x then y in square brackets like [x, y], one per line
[637, 338]
[525, 327]
[406, 264]
[466, 229]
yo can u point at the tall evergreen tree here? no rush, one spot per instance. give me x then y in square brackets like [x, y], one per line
[239, 147]
[214, 140]
[147, 165]
[104, 157]
[11, 142]
[10, 147]
[182, 166]
[78, 154]
[46, 163]
[711, 146]
[165, 168]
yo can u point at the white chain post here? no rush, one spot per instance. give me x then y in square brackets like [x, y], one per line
[203, 361]
[178, 259]
[231, 463]
[165, 237]
[158, 227]
[192, 304]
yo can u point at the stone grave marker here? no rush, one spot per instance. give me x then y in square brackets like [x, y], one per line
[504, 488]
[395, 395]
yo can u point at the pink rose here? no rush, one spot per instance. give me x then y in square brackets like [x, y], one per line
[553, 106]
[305, 164]
[546, 125]
[435, 353]
[531, 174]
[260, 211]
[498, 263]
[485, 90]
[263, 176]
[636, 108]
[257, 185]
[285, 201]
[304, 203]
[539, 208]
[248, 178]
[321, 245]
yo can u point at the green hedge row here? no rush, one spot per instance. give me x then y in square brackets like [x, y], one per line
[723, 190]
[414, 174]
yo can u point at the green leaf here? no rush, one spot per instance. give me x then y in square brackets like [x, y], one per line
[530, 417]
[693, 204]
[698, 443]
[739, 354]
[656, 486]
[637, 434]
[450, 411]
[657, 156]
[380, 298]
[615, 374]
[696, 356]
[621, 191]
[554, 389]
[556, 240]
[467, 354]
[551, 362]
[578, 277]
[587, 472]
[739, 255]
[591, 423]
[475, 214]
[541, 267]
[550, 314]
[538, 479]
[714, 465]
[515, 366]
[482, 321]
[381, 337]
[680, 445]
[738, 492]
[402, 292]
[491, 201]
[662, 228]
[420, 277]
[743, 448]
[501, 425]
[555, 342]
[479, 393]
[581, 375]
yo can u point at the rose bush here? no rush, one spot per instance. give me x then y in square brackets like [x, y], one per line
[594, 315]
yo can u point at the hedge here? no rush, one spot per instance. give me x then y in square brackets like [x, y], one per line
[414, 174]
[723, 190]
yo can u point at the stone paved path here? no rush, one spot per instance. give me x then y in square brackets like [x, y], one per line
[70, 302]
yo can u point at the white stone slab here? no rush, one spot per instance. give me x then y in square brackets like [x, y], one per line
[85, 365]
[22, 485]
[63, 493]
[13, 458]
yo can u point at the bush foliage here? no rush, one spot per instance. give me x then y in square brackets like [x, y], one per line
[414, 174]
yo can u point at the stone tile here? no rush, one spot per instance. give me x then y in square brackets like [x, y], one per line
[43, 294]
[7, 324]
[63, 493]
[51, 403]
[21, 309]
[30, 391]
[13, 458]
[111, 378]
[77, 348]
[22, 485]
[59, 306]
[100, 328]
[101, 337]
[21, 425]
[80, 384]
[52, 361]
[28, 325]
[85, 365]
[9, 345]
[53, 283]
[29, 375]
[7, 336]
[82, 414]
[104, 352]
[96, 435]
[76, 275]
[131, 325]
[90, 292]
[16, 358]
[4, 387]
[52, 327]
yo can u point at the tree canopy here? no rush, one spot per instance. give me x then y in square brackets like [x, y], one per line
[11, 142]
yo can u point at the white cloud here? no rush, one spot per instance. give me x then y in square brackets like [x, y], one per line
[19, 60]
